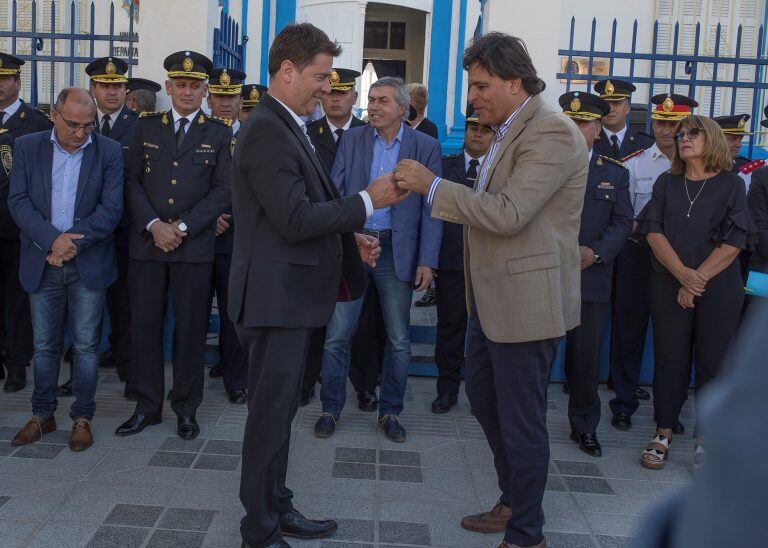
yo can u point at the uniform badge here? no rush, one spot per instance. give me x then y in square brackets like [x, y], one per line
[164, 120]
[668, 104]
[599, 161]
[609, 89]
[201, 120]
[334, 78]
[224, 78]
[606, 185]
[22, 114]
[187, 64]
[254, 96]
[575, 104]
[110, 68]
[320, 131]
[742, 123]
[6, 157]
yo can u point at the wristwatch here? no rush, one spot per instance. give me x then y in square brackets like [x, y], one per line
[598, 259]
[182, 226]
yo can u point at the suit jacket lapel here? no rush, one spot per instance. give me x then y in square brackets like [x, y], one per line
[89, 153]
[46, 158]
[168, 135]
[594, 171]
[325, 138]
[194, 134]
[406, 147]
[368, 149]
[16, 120]
[120, 126]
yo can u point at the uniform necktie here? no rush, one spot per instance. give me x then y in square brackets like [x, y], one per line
[2, 117]
[339, 132]
[472, 170]
[615, 146]
[180, 133]
[105, 125]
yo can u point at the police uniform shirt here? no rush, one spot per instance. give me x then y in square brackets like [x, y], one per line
[112, 117]
[10, 110]
[468, 158]
[619, 135]
[644, 169]
[334, 128]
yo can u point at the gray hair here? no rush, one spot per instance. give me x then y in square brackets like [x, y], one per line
[145, 100]
[402, 97]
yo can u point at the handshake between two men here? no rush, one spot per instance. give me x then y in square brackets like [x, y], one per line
[388, 190]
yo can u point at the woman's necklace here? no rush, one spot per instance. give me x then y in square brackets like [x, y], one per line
[688, 195]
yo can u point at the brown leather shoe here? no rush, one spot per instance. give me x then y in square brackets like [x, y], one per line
[494, 521]
[34, 430]
[81, 437]
[505, 544]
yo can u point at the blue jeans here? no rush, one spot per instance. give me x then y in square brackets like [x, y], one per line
[395, 296]
[59, 288]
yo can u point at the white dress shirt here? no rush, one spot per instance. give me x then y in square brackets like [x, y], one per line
[644, 169]
[10, 110]
[619, 135]
[100, 118]
[468, 158]
[333, 128]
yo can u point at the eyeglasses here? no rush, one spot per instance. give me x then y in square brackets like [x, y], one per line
[689, 134]
[74, 126]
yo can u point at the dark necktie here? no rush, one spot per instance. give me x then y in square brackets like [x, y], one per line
[105, 125]
[615, 146]
[472, 171]
[339, 132]
[180, 133]
[2, 116]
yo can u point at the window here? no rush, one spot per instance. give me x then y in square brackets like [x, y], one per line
[384, 35]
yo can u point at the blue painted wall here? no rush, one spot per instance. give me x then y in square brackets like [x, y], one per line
[453, 142]
[265, 26]
[438, 63]
[284, 14]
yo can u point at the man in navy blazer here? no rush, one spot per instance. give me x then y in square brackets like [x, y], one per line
[66, 196]
[410, 243]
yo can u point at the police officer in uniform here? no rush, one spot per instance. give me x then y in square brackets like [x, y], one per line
[606, 223]
[364, 356]
[225, 101]
[633, 265]
[18, 119]
[617, 140]
[251, 93]
[735, 128]
[178, 183]
[141, 95]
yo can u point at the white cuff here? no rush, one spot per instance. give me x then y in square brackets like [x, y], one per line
[150, 223]
[432, 189]
[368, 203]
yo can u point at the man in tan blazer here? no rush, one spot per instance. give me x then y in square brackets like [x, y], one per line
[522, 269]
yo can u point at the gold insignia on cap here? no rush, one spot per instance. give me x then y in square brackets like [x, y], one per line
[742, 123]
[254, 96]
[187, 64]
[668, 105]
[609, 89]
[224, 78]
[334, 78]
[110, 68]
[575, 104]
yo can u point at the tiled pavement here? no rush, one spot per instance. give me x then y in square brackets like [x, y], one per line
[156, 490]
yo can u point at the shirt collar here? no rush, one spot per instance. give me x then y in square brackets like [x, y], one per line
[656, 152]
[11, 109]
[468, 158]
[501, 130]
[296, 118]
[112, 117]
[177, 116]
[333, 128]
[399, 137]
[55, 142]
[235, 127]
[619, 134]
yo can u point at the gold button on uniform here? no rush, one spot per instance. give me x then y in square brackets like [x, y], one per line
[175, 164]
[170, 201]
[173, 181]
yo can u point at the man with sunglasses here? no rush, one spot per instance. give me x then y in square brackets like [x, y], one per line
[18, 119]
[66, 196]
[633, 264]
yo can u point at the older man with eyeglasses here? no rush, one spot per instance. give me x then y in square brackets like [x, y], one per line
[66, 195]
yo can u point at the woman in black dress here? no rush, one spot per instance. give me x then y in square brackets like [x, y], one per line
[696, 224]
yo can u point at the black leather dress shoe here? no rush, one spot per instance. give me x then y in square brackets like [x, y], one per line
[238, 396]
[679, 428]
[621, 421]
[325, 426]
[107, 358]
[566, 388]
[15, 382]
[136, 424]
[294, 524]
[443, 404]
[367, 401]
[392, 428]
[588, 443]
[217, 370]
[187, 427]
[66, 389]
[642, 394]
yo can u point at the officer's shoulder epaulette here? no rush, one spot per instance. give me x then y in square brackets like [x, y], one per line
[226, 121]
[613, 161]
[43, 114]
[3, 130]
[635, 153]
[151, 113]
[751, 166]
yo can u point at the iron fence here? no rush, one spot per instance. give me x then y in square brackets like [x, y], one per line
[228, 44]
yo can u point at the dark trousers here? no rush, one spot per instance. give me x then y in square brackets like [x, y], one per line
[582, 361]
[232, 355]
[506, 384]
[188, 284]
[119, 307]
[366, 353]
[630, 324]
[451, 330]
[276, 361]
[14, 310]
[701, 335]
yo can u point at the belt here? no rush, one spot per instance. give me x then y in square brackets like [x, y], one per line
[378, 234]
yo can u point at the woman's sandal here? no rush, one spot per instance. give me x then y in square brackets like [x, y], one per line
[698, 455]
[655, 453]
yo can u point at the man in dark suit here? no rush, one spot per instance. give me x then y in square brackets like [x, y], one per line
[67, 198]
[449, 282]
[325, 134]
[225, 101]
[617, 140]
[251, 94]
[295, 255]
[18, 119]
[606, 223]
[178, 181]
